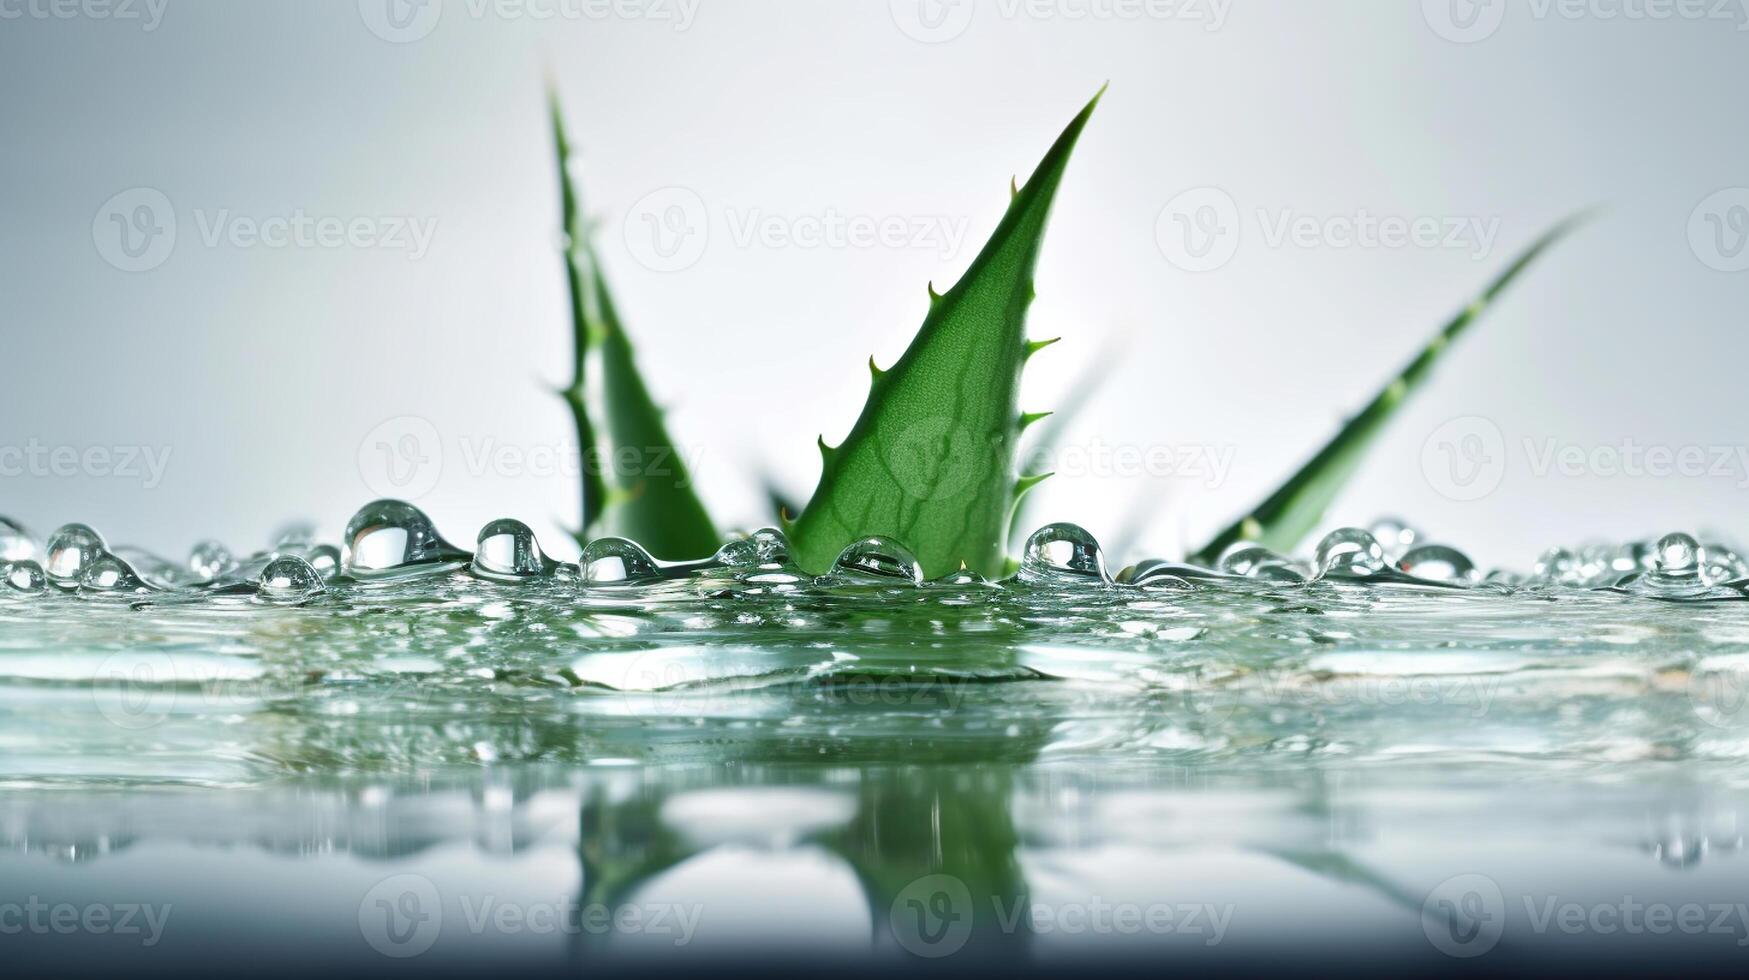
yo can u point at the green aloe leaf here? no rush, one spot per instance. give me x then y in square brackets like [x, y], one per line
[930, 462]
[1288, 514]
[635, 482]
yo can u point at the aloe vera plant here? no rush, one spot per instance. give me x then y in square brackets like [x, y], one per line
[1294, 509]
[635, 481]
[930, 462]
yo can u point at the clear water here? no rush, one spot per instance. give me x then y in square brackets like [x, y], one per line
[398, 753]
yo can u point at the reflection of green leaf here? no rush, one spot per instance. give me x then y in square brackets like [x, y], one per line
[930, 461]
[635, 482]
[1294, 509]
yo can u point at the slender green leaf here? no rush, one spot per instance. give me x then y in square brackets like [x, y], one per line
[1292, 511]
[930, 462]
[635, 481]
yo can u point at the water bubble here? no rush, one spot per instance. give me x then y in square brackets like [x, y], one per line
[1722, 564]
[764, 547]
[289, 578]
[16, 544]
[964, 578]
[23, 576]
[1394, 535]
[209, 559]
[1243, 558]
[325, 559]
[617, 561]
[1677, 555]
[1557, 565]
[1060, 553]
[878, 560]
[71, 548]
[1439, 563]
[1160, 574]
[1349, 552]
[507, 550]
[110, 574]
[390, 536]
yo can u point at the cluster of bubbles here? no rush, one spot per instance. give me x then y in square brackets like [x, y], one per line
[391, 540]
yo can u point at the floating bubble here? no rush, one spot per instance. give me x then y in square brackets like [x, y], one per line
[1557, 565]
[110, 574]
[70, 549]
[1439, 563]
[16, 543]
[1722, 564]
[289, 578]
[507, 549]
[878, 559]
[964, 578]
[1349, 552]
[1394, 536]
[1677, 555]
[325, 559]
[210, 559]
[1244, 557]
[617, 561]
[764, 547]
[1062, 553]
[387, 537]
[23, 576]
[1161, 574]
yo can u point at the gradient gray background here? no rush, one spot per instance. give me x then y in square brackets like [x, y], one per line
[262, 370]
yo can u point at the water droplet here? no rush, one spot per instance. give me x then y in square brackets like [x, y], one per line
[289, 578]
[1394, 535]
[878, 560]
[387, 537]
[109, 574]
[23, 576]
[209, 559]
[1557, 565]
[1722, 564]
[617, 561]
[1677, 555]
[325, 559]
[16, 544]
[1243, 558]
[763, 548]
[964, 578]
[1062, 552]
[1349, 552]
[71, 548]
[1439, 563]
[507, 550]
[1161, 574]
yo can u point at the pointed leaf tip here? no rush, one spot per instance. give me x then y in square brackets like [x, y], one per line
[1034, 346]
[1028, 418]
